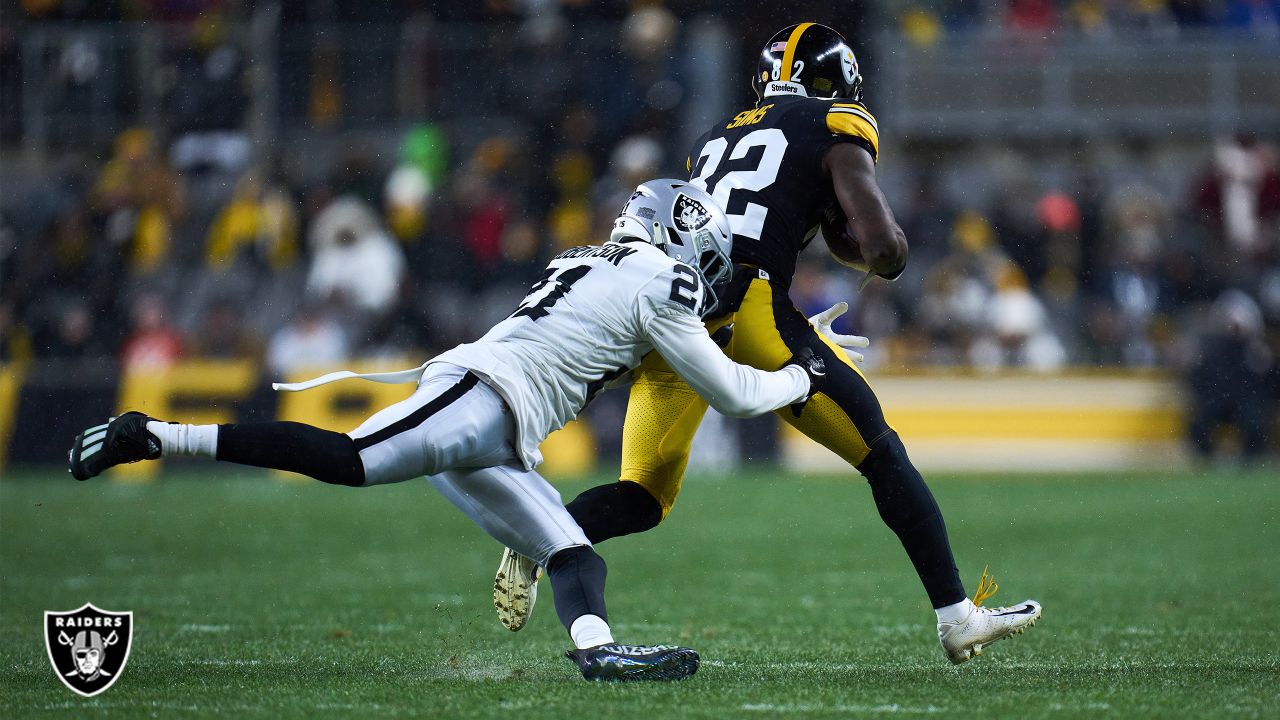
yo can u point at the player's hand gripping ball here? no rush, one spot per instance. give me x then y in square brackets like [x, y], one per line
[843, 245]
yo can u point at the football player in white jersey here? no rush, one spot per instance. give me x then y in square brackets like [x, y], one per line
[480, 411]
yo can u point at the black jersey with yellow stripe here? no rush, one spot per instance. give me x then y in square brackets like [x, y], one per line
[764, 167]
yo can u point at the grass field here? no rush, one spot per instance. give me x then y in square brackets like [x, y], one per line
[257, 598]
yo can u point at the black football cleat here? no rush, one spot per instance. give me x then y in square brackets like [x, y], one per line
[626, 663]
[123, 439]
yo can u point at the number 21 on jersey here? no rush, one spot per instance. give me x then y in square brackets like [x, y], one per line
[738, 173]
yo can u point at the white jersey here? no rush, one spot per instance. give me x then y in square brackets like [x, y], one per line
[590, 318]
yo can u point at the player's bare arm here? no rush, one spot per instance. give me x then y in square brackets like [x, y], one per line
[872, 234]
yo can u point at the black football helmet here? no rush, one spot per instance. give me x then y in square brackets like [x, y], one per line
[808, 59]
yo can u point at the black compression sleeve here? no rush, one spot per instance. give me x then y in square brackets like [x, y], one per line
[325, 455]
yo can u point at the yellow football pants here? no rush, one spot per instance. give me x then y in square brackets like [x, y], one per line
[663, 413]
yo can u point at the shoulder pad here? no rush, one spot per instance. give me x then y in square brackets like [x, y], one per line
[854, 120]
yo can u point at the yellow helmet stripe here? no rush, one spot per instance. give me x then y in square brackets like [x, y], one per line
[789, 55]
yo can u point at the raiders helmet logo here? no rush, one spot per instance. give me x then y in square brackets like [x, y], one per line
[690, 215]
[88, 647]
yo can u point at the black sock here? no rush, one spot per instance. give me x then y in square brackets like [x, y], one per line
[908, 508]
[616, 509]
[324, 455]
[577, 577]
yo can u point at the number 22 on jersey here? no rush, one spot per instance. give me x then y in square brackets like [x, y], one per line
[738, 173]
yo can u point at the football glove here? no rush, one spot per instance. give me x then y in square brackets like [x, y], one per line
[822, 323]
[813, 366]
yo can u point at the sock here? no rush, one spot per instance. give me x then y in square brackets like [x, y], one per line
[956, 612]
[616, 509]
[589, 631]
[178, 439]
[577, 577]
[908, 508]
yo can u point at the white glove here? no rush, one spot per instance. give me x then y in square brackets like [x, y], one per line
[822, 323]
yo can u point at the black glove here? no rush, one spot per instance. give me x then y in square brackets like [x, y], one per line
[722, 336]
[813, 366]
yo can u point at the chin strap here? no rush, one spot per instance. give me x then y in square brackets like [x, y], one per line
[987, 587]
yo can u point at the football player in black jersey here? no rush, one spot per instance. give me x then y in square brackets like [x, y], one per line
[802, 159]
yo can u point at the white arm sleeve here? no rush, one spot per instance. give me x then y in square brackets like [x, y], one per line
[732, 389]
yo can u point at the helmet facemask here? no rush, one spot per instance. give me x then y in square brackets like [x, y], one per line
[685, 223]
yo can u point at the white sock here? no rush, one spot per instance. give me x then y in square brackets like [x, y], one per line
[955, 613]
[178, 439]
[589, 631]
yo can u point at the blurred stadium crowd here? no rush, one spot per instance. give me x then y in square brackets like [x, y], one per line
[184, 237]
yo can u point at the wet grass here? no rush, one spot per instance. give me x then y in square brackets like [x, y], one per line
[260, 598]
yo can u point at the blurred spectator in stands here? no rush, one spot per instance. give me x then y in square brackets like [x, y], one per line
[153, 344]
[1090, 200]
[1138, 221]
[954, 305]
[646, 90]
[313, 339]
[1016, 332]
[222, 334]
[483, 205]
[207, 101]
[354, 262]
[1018, 227]
[257, 230]
[636, 159]
[1234, 383]
[139, 199]
[569, 185]
[412, 199]
[1239, 199]
[405, 204]
[1060, 254]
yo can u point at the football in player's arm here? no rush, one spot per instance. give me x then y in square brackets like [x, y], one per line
[859, 227]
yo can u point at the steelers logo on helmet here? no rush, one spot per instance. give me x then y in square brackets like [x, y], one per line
[690, 215]
[849, 64]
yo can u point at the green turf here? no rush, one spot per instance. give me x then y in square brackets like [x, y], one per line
[256, 598]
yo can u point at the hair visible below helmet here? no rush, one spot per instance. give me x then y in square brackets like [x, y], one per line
[685, 223]
[808, 59]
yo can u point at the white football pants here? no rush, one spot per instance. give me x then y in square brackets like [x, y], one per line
[460, 433]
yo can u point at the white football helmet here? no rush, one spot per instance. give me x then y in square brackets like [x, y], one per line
[686, 224]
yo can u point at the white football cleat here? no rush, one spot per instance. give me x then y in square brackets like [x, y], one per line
[515, 589]
[966, 639]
